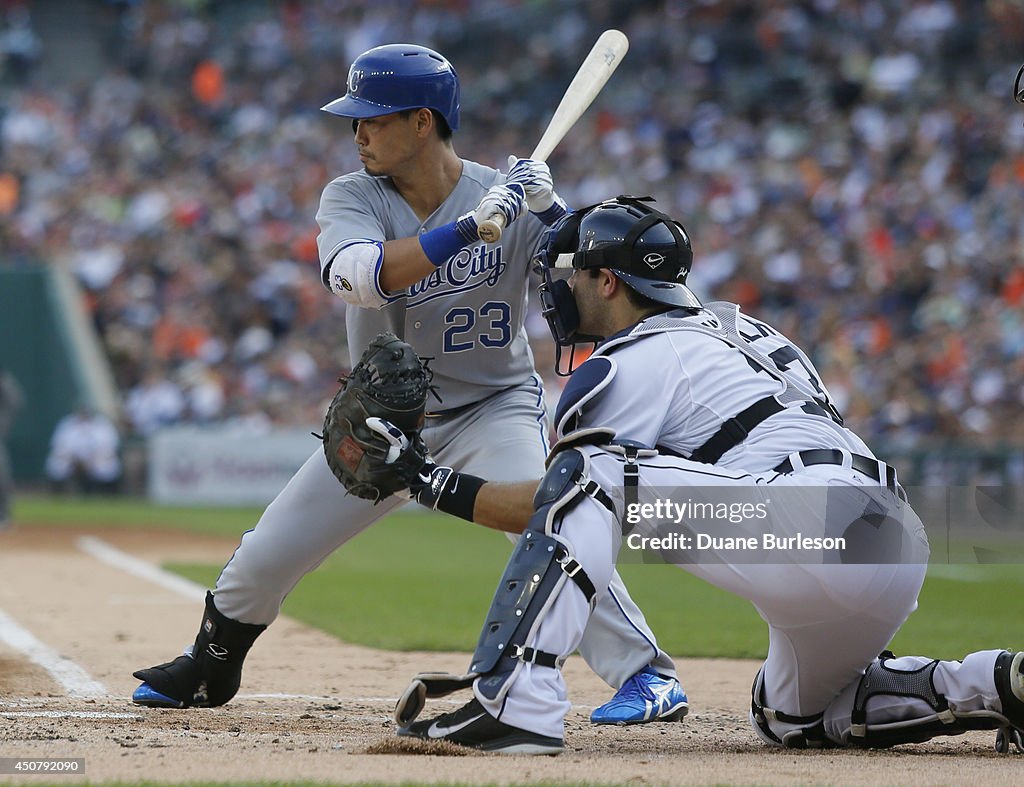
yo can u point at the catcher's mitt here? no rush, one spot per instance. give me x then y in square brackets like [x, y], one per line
[389, 382]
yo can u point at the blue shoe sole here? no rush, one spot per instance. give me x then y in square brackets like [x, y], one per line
[148, 696]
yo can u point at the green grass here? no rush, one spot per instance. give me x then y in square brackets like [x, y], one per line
[423, 582]
[125, 512]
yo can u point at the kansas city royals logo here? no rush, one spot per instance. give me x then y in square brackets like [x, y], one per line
[471, 268]
[355, 76]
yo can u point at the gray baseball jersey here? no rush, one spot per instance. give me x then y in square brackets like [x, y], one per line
[468, 316]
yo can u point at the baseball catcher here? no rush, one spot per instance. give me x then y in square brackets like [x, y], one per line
[372, 427]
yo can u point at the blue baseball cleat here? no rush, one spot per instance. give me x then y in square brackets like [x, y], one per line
[150, 697]
[645, 697]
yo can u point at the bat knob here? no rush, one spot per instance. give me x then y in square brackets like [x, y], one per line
[490, 229]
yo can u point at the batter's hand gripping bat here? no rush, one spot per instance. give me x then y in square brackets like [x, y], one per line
[595, 70]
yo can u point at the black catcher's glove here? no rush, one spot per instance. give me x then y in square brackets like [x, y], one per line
[390, 382]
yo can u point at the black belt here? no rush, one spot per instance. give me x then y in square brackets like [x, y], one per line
[862, 464]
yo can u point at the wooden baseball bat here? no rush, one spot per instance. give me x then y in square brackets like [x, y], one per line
[595, 70]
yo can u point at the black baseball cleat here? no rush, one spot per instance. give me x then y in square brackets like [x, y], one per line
[474, 727]
[1009, 675]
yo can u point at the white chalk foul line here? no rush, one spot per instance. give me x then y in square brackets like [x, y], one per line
[66, 714]
[75, 680]
[114, 557]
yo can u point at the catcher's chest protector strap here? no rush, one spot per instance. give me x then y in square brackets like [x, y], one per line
[734, 431]
[720, 321]
[539, 566]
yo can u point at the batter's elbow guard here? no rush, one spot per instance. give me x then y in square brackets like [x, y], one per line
[353, 273]
[211, 674]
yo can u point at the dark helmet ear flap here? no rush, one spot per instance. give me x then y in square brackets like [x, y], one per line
[564, 239]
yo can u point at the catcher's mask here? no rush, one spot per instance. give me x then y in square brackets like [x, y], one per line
[1018, 91]
[644, 247]
[396, 77]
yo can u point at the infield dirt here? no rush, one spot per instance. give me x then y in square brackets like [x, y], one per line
[314, 708]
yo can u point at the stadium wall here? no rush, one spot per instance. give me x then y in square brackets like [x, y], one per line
[51, 348]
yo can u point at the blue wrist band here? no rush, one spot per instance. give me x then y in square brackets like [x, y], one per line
[554, 213]
[442, 242]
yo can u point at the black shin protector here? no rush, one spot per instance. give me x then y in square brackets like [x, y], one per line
[212, 674]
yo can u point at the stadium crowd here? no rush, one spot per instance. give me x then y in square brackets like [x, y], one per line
[852, 171]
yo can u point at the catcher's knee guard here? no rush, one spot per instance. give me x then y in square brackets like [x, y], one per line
[539, 567]
[212, 673]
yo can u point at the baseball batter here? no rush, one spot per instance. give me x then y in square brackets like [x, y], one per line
[399, 244]
[736, 413]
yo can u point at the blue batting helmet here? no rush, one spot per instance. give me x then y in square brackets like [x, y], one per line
[397, 77]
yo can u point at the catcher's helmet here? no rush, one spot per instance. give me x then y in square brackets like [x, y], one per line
[397, 77]
[644, 247]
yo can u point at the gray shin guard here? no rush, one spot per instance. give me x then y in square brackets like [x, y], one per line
[538, 568]
[882, 680]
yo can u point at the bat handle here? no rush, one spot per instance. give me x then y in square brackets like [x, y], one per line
[490, 229]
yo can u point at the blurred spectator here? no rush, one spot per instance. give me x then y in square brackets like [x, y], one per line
[19, 45]
[854, 172]
[11, 400]
[156, 401]
[85, 453]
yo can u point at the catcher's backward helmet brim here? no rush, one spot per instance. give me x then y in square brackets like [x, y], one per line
[669, 293]
[397, 77]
